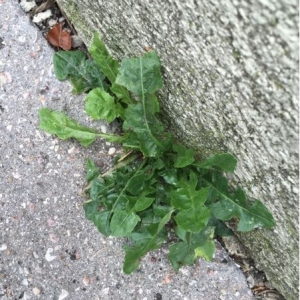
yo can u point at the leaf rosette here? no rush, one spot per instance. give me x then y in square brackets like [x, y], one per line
[158, 188]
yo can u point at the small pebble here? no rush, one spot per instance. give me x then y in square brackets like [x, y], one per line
[36, 291]
[51, 22]
[24, 282]
[3, 247]
[71, 150]
[27, 5]
[22, 39]
[103, 128]
[64, 294]
[48, 255]
[40, 17]
[223, 292]
[111, 151]
[86, 280]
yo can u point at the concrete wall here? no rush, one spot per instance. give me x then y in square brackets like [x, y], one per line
[231, 83]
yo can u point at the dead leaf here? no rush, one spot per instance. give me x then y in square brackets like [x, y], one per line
[59, 37]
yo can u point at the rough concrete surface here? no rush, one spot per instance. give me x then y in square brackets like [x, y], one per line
[47, 248]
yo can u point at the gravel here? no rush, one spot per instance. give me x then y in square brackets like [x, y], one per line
[48, 250]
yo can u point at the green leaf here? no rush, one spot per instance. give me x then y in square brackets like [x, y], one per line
[84, 74]
[101, 220]
[122, 222]
[137, 120]
[99, 53]
[170, 176]
[235, 205]
[152, 104]
[193, 215]
[140, 117]
[225, 162]
[139, 182]
[92, 170]
[161, 210]
[220, 228]
[141, 203]
[122, 179]
[193, 219]
[121, 93]
[66, 63]
[148, 242]
[193, 246]
[101, 105]
[60, 124]
[181, 254]
[184, 156]
[206, 250]
[109, 66]
[97, 187]
[90, 207]
[141, 75]
[182, 234]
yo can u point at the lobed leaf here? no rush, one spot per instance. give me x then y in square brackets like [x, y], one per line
[140, 117]
[181, 254]
[192, 246]
[192, 215]
[184, 156]
[193, 219]
[235, 205]
[147, 242]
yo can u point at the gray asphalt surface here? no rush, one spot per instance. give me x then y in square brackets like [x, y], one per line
[48, 250]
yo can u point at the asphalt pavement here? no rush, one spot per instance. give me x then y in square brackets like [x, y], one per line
[48, 250]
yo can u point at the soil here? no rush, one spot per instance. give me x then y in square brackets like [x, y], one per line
[257, 280]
